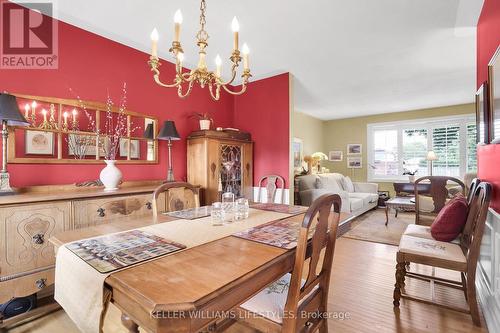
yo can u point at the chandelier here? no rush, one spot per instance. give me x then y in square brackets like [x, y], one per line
[200, 74]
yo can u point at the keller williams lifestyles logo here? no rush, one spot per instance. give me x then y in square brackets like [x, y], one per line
[28, 35]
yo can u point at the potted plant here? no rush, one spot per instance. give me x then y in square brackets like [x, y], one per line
[407, 171]
[204, 119]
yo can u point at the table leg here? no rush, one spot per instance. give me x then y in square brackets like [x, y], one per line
[386, 214]
[396, 214]
[129, 324]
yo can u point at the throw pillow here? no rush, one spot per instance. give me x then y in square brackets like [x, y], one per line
[348, 185]
[451, 220]
[328, 183]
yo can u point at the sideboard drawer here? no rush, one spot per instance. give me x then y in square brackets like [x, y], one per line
[97, 211]
[26, 285]
[24, 235]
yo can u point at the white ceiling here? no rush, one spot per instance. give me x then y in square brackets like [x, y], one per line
[348, 57]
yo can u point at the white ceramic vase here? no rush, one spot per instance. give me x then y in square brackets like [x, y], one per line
[110, 176]
[411, 178]
[204, 124]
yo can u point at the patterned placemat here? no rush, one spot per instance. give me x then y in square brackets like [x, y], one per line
[109, 253]
[281, 233]
[191, 213]
[280, 208]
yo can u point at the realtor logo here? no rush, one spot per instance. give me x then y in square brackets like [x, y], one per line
[28, 36]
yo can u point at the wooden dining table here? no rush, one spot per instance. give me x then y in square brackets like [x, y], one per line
[194, 289]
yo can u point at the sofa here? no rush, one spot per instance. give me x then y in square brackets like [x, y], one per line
[357, 198]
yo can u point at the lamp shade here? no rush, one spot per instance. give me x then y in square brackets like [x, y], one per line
[148, 133]
[168, 131]
[431, 156]
[9, 111]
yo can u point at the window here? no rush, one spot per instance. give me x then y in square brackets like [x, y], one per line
[400, 147]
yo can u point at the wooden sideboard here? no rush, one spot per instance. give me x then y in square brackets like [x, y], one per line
[220, 161]
[29, 218]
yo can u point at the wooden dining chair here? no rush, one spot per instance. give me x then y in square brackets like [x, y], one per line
[292, 304]
[472, 188]
[178, 196]
[460, 257]
[273, 183]
[429, 203]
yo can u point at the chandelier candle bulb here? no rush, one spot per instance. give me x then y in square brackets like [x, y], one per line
[154, 43]
[44, 112]
[65, 116]
[218, 63]
[26, 111]
[177, 27]
[74, 114]
[245, 50]
[235, 25]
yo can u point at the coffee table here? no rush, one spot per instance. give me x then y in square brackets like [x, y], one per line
[398, 203]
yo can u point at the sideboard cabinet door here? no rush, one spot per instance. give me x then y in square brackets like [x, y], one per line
[25, 233]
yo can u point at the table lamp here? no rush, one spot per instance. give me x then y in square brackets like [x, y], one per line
[148, 132]
[431, 156]
[169, 132]
[10, 116]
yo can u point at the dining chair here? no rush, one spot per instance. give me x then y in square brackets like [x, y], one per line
[472, 188]
[430, 203]
[178, 196]
[292, 304]
[461, 257]
[273, 183]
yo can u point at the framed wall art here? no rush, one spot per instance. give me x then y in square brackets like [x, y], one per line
[39, 143]
[494, 97]
[354, 162]
[335, 156]
[354, 149]
[482, 114]
[298, 153]
[134, 148]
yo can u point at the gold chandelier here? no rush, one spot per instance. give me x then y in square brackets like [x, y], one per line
[200, 74]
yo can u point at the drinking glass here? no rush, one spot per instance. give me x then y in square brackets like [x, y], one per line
[217, 213]
[228, 206]
[241, 209]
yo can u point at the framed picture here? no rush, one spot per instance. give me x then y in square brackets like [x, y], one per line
[298, 153]
[482, 114]
[84, 145]
[335, 155]
[354, 149]
[354, 162]
[494, 96]
[39, 143]
[135, 151]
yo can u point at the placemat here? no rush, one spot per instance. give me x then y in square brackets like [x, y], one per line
[280, 208]
[281, 233]
[191, 213]
[109, 253]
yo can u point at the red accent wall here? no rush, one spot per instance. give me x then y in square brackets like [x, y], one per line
[264, 110]
[488, 39]
[91, 65]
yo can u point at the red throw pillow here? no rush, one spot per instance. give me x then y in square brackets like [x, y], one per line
[451, 220]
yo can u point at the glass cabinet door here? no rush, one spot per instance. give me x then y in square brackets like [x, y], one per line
[230, 166]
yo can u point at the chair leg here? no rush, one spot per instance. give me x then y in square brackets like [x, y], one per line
[464, 284]
[472, 301]
[400, 272]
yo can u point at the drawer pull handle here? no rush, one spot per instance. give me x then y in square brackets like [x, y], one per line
[40, 283]
[39, 238]
[149, 205]
[101, 212]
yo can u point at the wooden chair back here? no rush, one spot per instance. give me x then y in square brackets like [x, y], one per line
[273, 183]
[472, 188]
[438, 194]
[313, 294]
[179, 196]
[471, 237]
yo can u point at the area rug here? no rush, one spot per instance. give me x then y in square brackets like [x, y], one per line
[371, 227]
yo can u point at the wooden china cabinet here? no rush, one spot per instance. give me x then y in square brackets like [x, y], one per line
[221, 161]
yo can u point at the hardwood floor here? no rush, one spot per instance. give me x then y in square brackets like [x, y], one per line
[361, 287]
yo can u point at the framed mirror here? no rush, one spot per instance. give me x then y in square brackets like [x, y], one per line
[69, 131]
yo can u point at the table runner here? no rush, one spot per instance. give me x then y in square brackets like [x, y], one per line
[79, 288]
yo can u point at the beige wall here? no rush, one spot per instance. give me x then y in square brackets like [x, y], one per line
[310, 130]
[338, 133]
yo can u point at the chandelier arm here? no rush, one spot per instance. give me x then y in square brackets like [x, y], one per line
[158, 81]
[233, 76]
[243, 89]
[188, 91]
